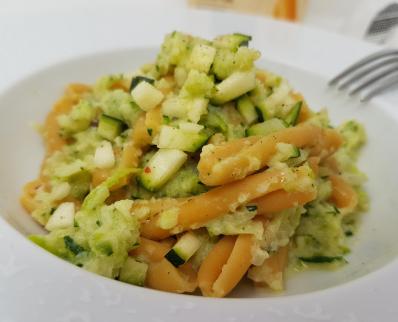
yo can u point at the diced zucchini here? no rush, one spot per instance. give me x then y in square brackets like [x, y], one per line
[62, 217]
[190, 127]
[196, 108]
[201, 58]
[133, 272]
[183, 250]
[267, 127]
[197, 84]
[79, 119]
[214, 119]
[162, 166]
[185, 108]
[232, 41]
[104, 157]
[234, 86]
[146, 96]
[109, 127]
[293, 115]
[247, 109]
[174, 138]
[180, 75]
[138, 79]
[175, 107]
[263, 111]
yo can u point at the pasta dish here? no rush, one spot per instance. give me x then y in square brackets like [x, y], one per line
[195, 172]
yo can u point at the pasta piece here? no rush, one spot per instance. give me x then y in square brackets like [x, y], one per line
[305, 112]
[237, 265]
[212, 265]
[150, 229]
[281, 200]
[226, 149]
[198, 210]
[150, 251]
[162, 275]
[116, 195]
[121, 84]
[254, 157]
[76, 90]
[332, 164]
[272, 271]
[28, 195]
[139, 140]
[153, 121]
[51, 132]
[225, 265]
[99, 175]
[343, 195]
[313, 162]
[155, 206]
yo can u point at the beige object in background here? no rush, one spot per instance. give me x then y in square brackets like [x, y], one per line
[282, 9]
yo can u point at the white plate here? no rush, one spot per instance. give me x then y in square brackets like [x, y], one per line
[37, 286]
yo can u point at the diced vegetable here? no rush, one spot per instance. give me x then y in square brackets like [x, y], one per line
[146, 96]
[162, 166]
[185, 108]
[138, 79]
[228, 61]
[184, 249]
[78, 119]
[190, 127]
[247, 109]
[62, 217]
[234, 86]
[294, 113]
[120, 105]
[174, 138]
[232, 41]
[267, 127]
[133, 272]
[202, 57]
[104, 156]
[197, 84]
[60, 191]
[109, 127]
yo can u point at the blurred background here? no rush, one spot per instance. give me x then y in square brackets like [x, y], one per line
[372, 20]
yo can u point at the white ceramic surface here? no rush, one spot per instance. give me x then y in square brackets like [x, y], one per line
[37, 286]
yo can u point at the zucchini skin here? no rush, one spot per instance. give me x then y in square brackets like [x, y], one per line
[293, 115]
[173, 258]
[321, 259]
[138, 79]
[110, 127]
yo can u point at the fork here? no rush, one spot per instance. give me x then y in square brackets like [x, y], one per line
[376, 73]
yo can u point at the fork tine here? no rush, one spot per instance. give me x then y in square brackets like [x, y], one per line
[372, 80]
[364, 71]
[362, 62]
[384, 86]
